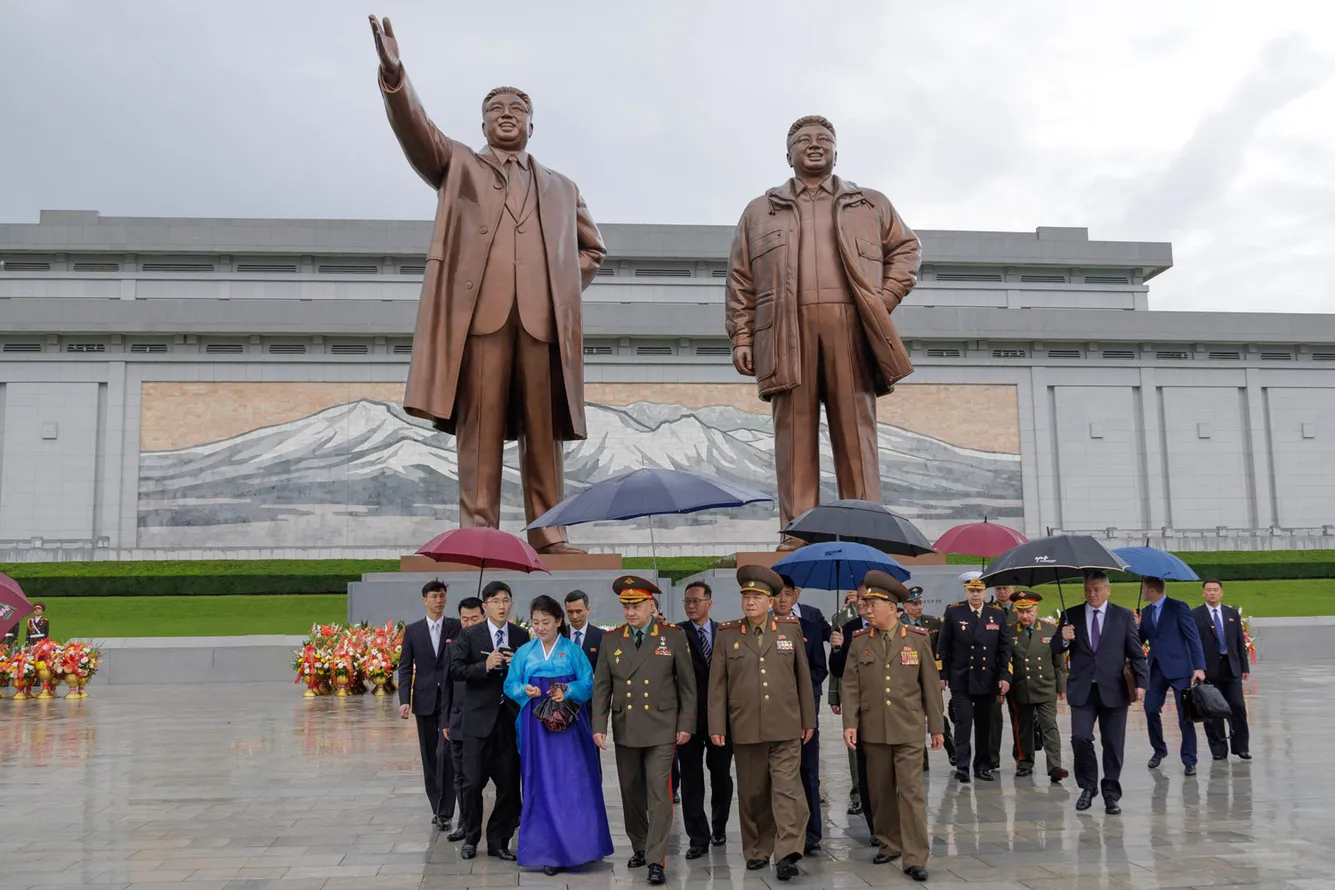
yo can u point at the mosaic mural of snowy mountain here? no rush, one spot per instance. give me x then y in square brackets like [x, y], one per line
[365, 474]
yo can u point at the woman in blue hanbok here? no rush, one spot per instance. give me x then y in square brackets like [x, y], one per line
[564, 820]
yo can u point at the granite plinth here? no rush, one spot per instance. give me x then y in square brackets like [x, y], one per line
[255, 788]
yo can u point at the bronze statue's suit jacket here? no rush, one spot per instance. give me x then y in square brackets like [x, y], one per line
[881, 257]
[470, 189]
[650, 691]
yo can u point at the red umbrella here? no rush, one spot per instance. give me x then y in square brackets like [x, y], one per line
[484, 547]
[985, 539]
[13, 604]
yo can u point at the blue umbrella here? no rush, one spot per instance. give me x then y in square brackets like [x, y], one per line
[837, 566]
[1151, 563]
[647, 492]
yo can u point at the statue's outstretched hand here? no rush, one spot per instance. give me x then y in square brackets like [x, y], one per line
[387, 47]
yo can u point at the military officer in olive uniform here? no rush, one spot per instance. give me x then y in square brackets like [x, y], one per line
[646, 681]
[1038, 680]
[760, 692]
[891, 690]
[975, 649]
[912, 616]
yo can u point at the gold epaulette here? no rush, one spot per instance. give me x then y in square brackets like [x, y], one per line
[994, 606]
[960, 603]
[865, 630]
[728, 624]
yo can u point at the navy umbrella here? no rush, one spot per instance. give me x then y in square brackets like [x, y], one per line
[861, 522]
[1151, 563]
[837, 566]
[649, 491]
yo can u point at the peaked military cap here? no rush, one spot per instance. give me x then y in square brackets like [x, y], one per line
[759, 579]
[915, 595]
[631, 589]
[881, 586]
[1024, 599]
[973, 581]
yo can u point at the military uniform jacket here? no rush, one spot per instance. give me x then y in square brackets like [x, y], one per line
[650, 691]
[975, 650]
[760, 692]
[1037, 672]
[931, 624]
[891, 686]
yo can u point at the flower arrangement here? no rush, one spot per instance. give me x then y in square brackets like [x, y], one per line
[4, 666]
[341, 658]
[77, 662]
[1247, 639]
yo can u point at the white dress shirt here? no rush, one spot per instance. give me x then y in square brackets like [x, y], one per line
[576, 636]
[706, 630]
[434, 628]
[505, 633]
[1102, 612]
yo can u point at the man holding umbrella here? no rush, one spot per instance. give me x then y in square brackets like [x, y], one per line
[975, 647]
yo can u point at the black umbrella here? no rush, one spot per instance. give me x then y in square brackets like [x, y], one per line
[860, 522]
[1058, 558]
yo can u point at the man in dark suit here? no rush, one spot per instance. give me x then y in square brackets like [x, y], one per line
[975, 650]
[815, 633]
[700, 631]
[423, 692]
[1220, 628]
[588, 637]
[1176, 661]
[840, 640]
[470, 613]
[481, 659]
[1101, 638]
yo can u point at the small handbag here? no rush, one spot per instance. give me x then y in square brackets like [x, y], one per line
[556, 716]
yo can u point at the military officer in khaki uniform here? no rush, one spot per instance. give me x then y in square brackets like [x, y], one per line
[760, 690]
[646, 681]
[891, 689]
[1038, 680]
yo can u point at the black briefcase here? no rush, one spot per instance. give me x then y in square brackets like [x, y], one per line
[1204, 702]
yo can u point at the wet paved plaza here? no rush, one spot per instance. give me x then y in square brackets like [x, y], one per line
[252, 786]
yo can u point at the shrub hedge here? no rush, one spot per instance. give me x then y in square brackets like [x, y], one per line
[239, 577]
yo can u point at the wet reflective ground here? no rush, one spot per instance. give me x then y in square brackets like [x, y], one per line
[251, 786]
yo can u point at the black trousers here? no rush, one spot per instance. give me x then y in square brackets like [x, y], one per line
[437, 768]
[867, 803]
[694, 757]
[1238, 738]
[810, 772]
[494, 759]
[1112, 735]
[456, 758]
[973, 716]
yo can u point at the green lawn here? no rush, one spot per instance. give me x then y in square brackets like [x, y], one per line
[99, 617]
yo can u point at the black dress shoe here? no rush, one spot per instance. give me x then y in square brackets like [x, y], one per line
[1245, 756]
[502, 853]
[855, 809]
[917, 872]
[786, 868]
[1086, 800]
[719, 840]
[984, 774]
[637, 860]
[467, 851]
[883, 857]
[1225, 757]
[1112, 809]
[1023, 771]
[1057, 775]
[435, 822]
[1190, 769]
[676, 797]
[550, 870]
[962, 776]
[1155, 761]
[656, 875]
[995, 765]
[811, 848]
[952, 759]
[456, 835]
[694, 852]
[756, 864]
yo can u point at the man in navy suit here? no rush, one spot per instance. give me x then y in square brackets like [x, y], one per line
[1176, 661]
[423, 693]
[698, 753]
[1100, 638]
[815, 633]
[1220, 628]
[588, 637]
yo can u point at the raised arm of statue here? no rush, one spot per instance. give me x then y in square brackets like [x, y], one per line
[427, 149]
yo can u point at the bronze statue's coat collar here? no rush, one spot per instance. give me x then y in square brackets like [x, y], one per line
[501, 156]
[786, 194]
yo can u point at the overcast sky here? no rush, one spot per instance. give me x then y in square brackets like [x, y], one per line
[1207, 124]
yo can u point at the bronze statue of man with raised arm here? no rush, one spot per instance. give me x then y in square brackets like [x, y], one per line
[817, 266]
[498, 351]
